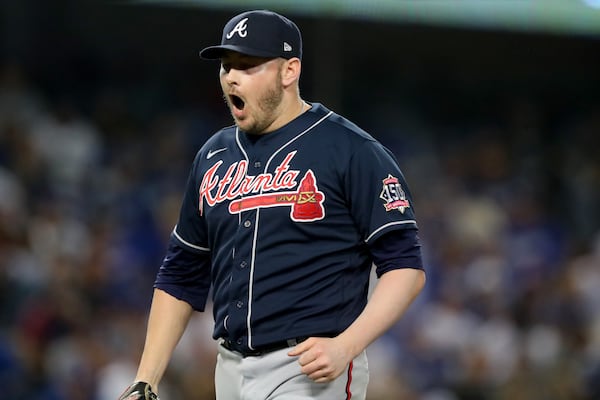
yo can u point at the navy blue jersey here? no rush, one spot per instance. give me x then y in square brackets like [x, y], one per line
[279, 226]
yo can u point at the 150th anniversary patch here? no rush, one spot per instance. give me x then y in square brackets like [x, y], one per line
[393, 195]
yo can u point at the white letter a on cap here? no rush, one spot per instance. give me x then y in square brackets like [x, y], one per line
[240, 28]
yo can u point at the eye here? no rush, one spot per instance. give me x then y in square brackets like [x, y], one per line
[247, 65]
[226, 67]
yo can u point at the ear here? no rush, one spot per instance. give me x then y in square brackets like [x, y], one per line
[290, 71]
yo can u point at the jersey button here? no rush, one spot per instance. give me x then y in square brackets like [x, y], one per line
[257, 164]
[243, 264]
[239, 304]
[247, 223]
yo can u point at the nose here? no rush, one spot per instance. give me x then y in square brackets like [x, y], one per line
[231, 76]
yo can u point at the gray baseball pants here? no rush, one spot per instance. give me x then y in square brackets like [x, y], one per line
[277, 376]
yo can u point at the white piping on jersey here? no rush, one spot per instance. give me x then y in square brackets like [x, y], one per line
[237, 140]
[254, 239]
[182, 240]
[408, 221]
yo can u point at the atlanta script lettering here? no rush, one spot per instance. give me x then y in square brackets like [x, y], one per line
[235, 182]
[246, 192]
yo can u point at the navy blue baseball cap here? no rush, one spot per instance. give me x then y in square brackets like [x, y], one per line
[259, 33]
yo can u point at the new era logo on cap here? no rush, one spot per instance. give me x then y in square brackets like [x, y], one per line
[259, 33]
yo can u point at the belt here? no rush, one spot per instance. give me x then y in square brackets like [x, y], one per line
[262, 350]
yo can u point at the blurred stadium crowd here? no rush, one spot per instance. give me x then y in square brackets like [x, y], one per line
[509, 211]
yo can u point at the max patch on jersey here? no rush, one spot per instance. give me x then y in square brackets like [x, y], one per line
[393, 195]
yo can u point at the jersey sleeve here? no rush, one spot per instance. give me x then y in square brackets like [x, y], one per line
[190, 230]
[378, 196]
[185, 275]
[185, 270]
[396, 249]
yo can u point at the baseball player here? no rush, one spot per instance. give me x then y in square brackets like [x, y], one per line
[283, 216]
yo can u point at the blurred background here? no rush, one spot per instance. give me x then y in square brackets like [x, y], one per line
[491, 106]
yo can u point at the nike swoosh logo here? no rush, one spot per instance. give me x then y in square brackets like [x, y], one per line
[213, 152]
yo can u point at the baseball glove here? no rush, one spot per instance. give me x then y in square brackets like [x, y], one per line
[139, 391]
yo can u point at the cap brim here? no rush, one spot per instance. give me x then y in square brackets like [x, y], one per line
[216, 52]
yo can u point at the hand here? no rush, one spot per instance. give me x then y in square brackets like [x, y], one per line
[139, 391]
[322, 359]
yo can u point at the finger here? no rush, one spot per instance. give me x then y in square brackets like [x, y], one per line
[309, 358]
[322, 379]
[320, 376]
[301, 347]
[311, 368]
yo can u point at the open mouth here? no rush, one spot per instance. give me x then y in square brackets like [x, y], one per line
[237, 101]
